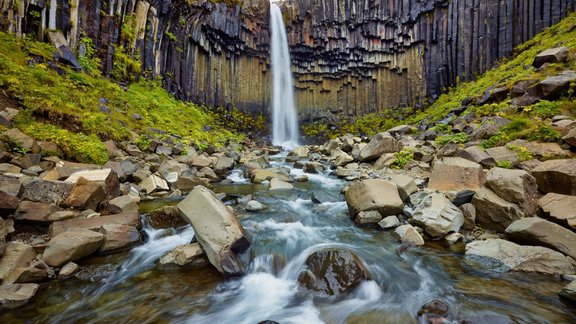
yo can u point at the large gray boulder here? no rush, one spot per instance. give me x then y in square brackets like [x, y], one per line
[501, 256]
[217, 230]
[515, 186]
[557, 176]
[560, 209]
[551, 55]
[493, 212]
[374, 194]
[72, 245]
[438, 216]
[379, 144]
[456, 174]
[538, 231]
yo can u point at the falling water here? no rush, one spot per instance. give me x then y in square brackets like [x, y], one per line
[284, 117]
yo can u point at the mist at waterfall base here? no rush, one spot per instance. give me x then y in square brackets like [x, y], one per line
[284, 116]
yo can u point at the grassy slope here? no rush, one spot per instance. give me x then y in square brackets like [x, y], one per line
[65, 109]
[509, 71]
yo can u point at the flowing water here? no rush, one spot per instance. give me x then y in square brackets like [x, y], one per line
[130, 288]
[284, 116]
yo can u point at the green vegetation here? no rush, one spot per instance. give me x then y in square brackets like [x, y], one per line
[459, 138]
[66, 109]
[402, 158]
[505, 164]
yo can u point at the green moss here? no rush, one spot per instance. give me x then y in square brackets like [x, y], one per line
[458, 138]
[402, 158]
[505, 164]
[90, 62]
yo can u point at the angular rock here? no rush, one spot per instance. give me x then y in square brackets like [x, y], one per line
[277, 184]
[188, 254]
[50, 192]
[493, 212]
[409, 235]
[389, 222]
[11, 186]
[478, 155]
[543, 151]
[340, 158]
[469, 213]
[166, 217]
[16, 295]
[154, 184]
[217, 230]
[122, 204]
[569, 292]
[200, 161]
[223, 165]
[553, 86]
[187, 181]
[502, 153]
[27, 160]
[108, 177]
[560, 209]
[557, 176]
[86, 194]
[538, 231]
[9, 168]
[94, 223]
[515, 186]
[503, 256]
[16, 255]
[456, 174]
[68, 269]
[368, 217]
[438, 216]
[71, 245]
[570, 138]
[261, 175]
[379, 144]
[35, 212]
[300, 152]
[551, 55]
[333, 272]
[405, 184]
[374, 194]
[22, 140]
[119, 238]
[8, 204]
[313, 167]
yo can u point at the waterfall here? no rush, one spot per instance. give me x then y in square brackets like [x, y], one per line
[284, 117]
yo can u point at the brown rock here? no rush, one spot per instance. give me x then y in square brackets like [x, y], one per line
[456, 174]
[557, 176]
[15, 295]
[86, 194]
[188, 254]
[95, 223]
[68, 269]
[122, 204]
[552, 55]
[16, 255]
[538, 231]
[374, 194]
[516, 186]
[559, 208]
[108, 177]
[36, 212]
[166, 217]
[379, 144]
[22, 140]
[493, 212]
[50, 192]
[8, 203]
[72, 245]
[11, 186]
[119, 238]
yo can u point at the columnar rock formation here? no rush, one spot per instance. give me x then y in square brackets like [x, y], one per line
[351, 56]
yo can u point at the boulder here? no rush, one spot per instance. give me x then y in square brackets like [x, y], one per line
[182, 255]
[94, 223]
[502, 256]
[8, 203]
[551, 55]
[502, 153]
[223, 165]
[438, 216]
[86, 194]
[276, 184]
[544, 151]
[560, 209]
[22, 140]
[340, 158]
[153, 184]
[254, 206]
[7, 116]
[569, 292]
[489, 127]
[261, 175]
[368, 217]
[409, 235]
[16, 255]
[9, 168]
[379, 144]
[71, 245]
[27, 160]
[570, 138]
[119, 238]
[187, 181]
[300, 152]
[68, 270]
[435, 309]
[333, 272]
[478, 155]
[557, 176]
[389, 222]
[166, 217]
[35, 271]
[34, 212]
[469, 213]
[207, 173]
[16, 295]
[538, 231]
[11, 186]
[333, 144]
[456, 174]
[108, 177]
[515, 186]
[405, 184]
[553, 86]
[200, 161]
[493, 212]
[313, 167]
[122, 204]
[216, 228]
[374, 194]
[170, 170]
[49, 192]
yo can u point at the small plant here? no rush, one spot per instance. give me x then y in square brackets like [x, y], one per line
[143, 142]
[545, 134]
[543, 109]
[505, 164]
[459, 138]
[402, 158]
[522, 153]
[89, 61]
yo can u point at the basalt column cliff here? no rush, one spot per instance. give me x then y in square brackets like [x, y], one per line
[349, 57]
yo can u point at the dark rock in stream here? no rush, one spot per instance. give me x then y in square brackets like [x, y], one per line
[333, 272]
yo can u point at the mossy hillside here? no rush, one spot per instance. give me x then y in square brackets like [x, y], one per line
[507, 73]
[70, 109]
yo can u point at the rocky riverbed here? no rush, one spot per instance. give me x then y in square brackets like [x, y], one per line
[343, 232]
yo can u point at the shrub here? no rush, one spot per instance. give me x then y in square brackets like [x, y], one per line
[403, 157]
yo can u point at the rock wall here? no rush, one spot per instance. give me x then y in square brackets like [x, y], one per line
[349, 56]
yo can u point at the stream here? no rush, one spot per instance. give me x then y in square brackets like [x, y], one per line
[128, 287]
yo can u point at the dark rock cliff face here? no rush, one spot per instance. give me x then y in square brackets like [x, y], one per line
[349, 57]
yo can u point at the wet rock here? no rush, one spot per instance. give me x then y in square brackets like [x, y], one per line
[35, 271]
[261, 175]
[374, 194]
[438, 216]
[108, 177]
[537, 231]
[217, 230]
[453, 238]
[35, 212]
[86, 194]
[379, 144]
[313, 167]
[154, 184]
[552, 55]
[569, 292]
[502, 256]
[435, 308]
[409, 235]
[94, 223]
[16, 255]
[277, 184]
[493, 212]
[119, 238]
[72, 245]
[560, 209]
[368, 217]
[469, 213]
[254, 206]
[389, 222]
[188, 254]
[455, 174]
[300, 152]
[333, 272]
[50, 192]
[405, 184]
[16, 295]
[68, 270]
[515, 186]
[166, 217]
[557, 176]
